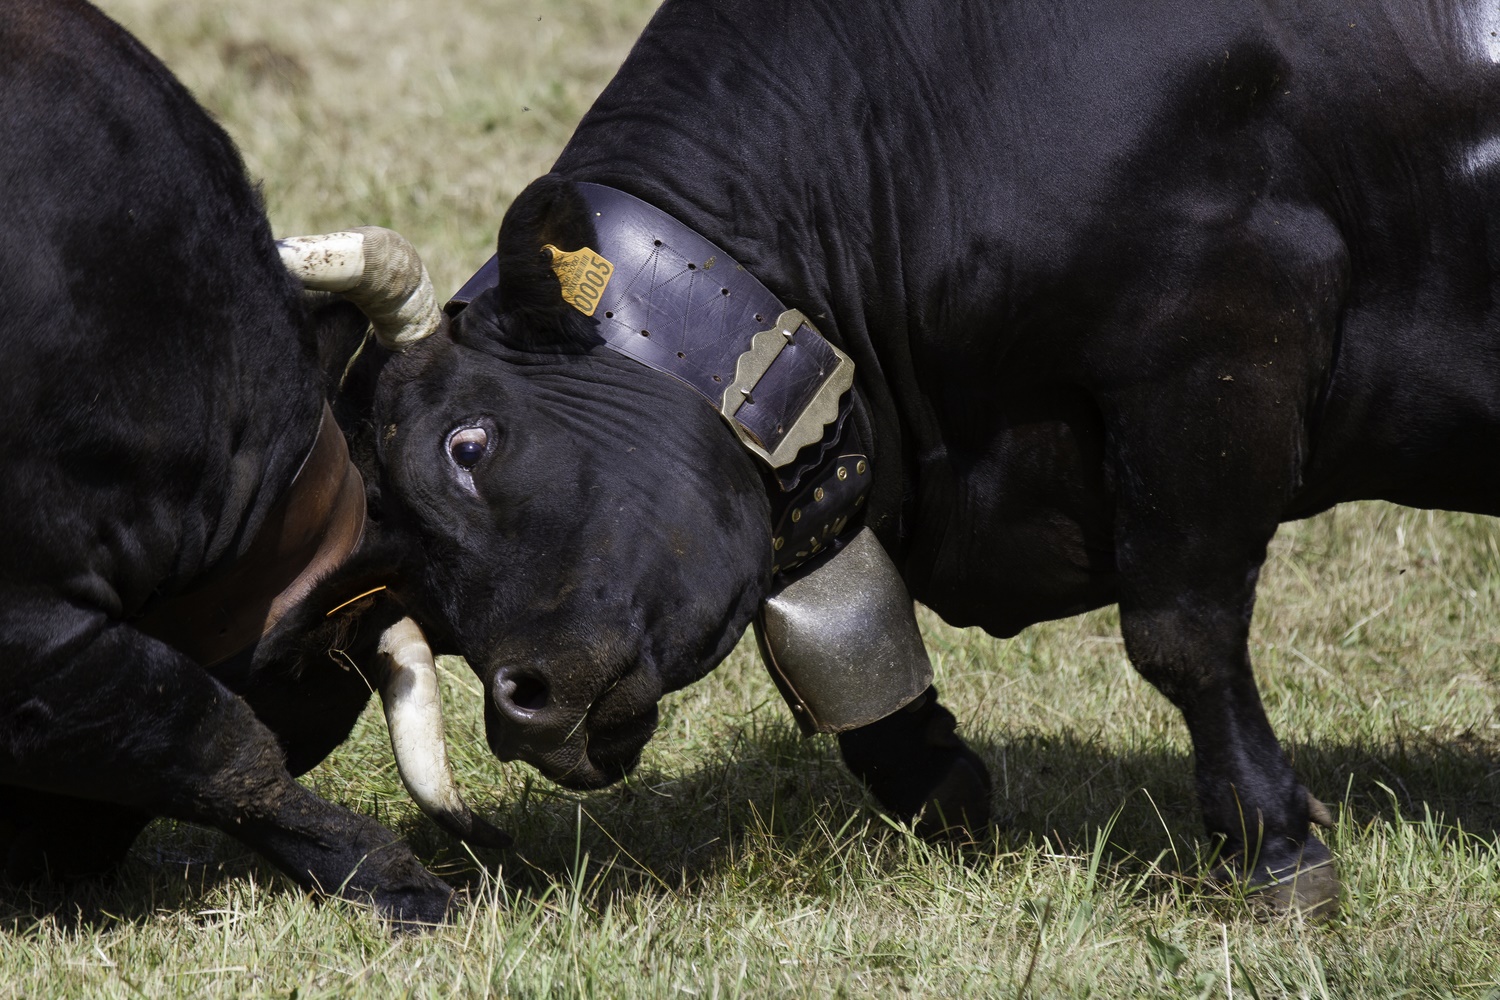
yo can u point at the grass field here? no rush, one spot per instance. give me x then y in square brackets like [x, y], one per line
[742, 860]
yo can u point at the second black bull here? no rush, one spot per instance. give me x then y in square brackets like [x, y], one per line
[1121, 289]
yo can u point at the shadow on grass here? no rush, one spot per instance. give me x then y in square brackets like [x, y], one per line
[783, 810]
[173, 867]
[784, 814]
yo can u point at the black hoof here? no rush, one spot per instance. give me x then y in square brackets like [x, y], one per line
[416, 909]
[1305, 884]
[1310, 886]
[920, 771]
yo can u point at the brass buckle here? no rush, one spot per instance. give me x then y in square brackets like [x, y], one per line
[820, 411]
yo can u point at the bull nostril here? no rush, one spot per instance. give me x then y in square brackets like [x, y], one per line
[526, 692]
[530, 693]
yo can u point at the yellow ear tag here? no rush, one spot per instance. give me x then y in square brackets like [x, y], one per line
[583, 275]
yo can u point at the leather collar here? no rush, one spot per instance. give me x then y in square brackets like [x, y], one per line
[672, 300]
[312, 529]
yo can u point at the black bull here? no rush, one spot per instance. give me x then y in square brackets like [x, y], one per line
[1125, 285]
[173, 494]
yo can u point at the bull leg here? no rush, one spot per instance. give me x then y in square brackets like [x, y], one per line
[61, 838]
[917, 767]
[105, 713]
[1193, 646]
[1196, 510]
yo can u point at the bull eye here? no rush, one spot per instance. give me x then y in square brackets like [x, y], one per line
[466, 446]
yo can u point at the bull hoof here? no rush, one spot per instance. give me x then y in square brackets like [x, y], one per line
[1308, 887]
[416, 909]
[921, 772]
[958, 806]
[1311, 892]
[403, 892]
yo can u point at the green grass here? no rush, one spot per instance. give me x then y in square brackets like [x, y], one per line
[741, 860]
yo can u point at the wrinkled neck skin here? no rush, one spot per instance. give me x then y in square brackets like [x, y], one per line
[554, 564]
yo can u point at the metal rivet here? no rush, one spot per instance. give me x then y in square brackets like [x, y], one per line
[803, 555]
[796, 514]
[818, 493]
[860, 467]
[843, 472]
[776, 545]
[838, 525]
[788, 335]
[775, 568]
[860, 502]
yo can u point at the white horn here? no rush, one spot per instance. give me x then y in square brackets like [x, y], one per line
[377, 270]
[414, 713]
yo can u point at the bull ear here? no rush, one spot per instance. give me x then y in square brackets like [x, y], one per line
[530, 309]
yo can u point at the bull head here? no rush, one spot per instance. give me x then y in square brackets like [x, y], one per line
[587, 534]
[378, 271]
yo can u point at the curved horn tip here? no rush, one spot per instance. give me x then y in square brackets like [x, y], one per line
[375, 268]
[413, 712]
[474, 830]
[329, 262]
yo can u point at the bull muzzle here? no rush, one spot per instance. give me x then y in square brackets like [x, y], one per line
[581, 735]
[378, 271]
[414, 713]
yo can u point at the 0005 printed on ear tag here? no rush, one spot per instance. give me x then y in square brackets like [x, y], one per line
[583, 275]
